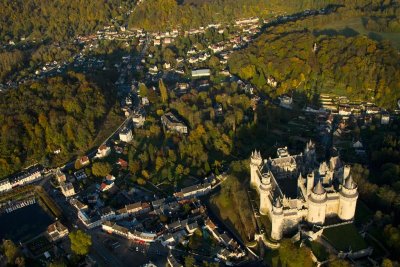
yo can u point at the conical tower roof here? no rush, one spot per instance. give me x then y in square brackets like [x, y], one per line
[319, 189]
[278, 203]
[349, 183]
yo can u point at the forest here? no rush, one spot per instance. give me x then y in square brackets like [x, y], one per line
[48, 120]
[54, 19]
[357, 67]
[171, 14]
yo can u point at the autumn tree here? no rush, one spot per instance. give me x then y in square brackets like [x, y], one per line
[163, 91]
[101, 168]
[80, 242]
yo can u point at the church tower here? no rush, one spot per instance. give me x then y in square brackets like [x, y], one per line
[255, 163]
[265, 191]
[277, 219]
[317, 205]
[348, 199]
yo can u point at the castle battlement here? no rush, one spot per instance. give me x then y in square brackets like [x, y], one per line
[288, 197]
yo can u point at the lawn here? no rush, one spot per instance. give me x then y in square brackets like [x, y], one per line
[344, 237]
[319, 251]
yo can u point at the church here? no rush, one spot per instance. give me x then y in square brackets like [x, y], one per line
[296, 188]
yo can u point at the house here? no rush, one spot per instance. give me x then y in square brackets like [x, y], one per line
[344, 110]
[125, 135]
[166, 66]
[137, 208]
[92, 198]
[153, 70]
[171, 123]
[145, 101]
[372, 109]
[106, 185]
[80, 175]
[286, 101]
[103, 151]
[167, 41]
[182, 88]
[113, 228]
[110, 178]
[201, 73]
[157, 203]
[122, 163]
[138, 120]
[218, 110]
[29, 175]
[60, 176]
[172, 262]
[157, 42]
[57, 231]
[107, 213]
[77, 204]
[84, 161]
[67, 189]
[193, 191]
[385, 118]
[191, 228]
[5, 185]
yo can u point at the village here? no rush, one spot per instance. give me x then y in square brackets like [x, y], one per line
[144, 214]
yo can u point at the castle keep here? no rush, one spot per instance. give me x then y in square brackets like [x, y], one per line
[296, 188]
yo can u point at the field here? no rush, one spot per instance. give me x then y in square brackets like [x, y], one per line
[353, 26]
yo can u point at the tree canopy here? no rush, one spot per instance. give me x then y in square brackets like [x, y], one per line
[80, 242]
[357, 67]
[38, 118]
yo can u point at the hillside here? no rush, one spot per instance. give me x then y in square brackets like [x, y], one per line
[54, 19]
[37, 119]
[358, 67]
[170, 14]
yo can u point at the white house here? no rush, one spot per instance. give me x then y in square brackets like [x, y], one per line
[67, 189]
[103, 151]
[201, 73]
[5, 185]
[125, 135]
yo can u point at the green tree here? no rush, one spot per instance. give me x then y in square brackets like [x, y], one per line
[101, 168]
[10, 250]
[143, 91]
[80, 242]
[190, 261]
[57, 264]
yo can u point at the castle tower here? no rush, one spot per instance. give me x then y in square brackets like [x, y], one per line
[255, 163]
[265, 191]
[348, 199]
[317, 205]
[309, 153]
[346, 173]
[310, 182]
[277, 219]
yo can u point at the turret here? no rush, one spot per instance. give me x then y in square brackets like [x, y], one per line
[277, 220]
[317, 205]
[348, 199]
[255, 164]
[265, 190]
[346, 172]
[310, 182]
[309, 153]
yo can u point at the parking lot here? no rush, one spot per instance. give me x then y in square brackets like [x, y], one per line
[132, 253]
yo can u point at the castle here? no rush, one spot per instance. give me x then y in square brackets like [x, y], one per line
[288, 198]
